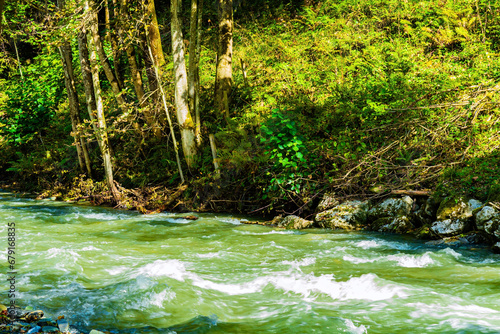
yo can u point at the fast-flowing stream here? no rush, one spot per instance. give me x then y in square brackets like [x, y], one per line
[130, 273]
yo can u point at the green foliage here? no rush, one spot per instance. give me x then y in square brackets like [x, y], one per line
[32, 100]
[285, 149]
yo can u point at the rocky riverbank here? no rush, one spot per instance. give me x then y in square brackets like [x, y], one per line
[29, 321]
[440, 220]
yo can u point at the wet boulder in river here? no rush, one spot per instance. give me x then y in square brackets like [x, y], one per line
[349, 215]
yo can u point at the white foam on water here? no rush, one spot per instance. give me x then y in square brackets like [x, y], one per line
[231, 289]
[452, 310]
[171, 268]
[267, 233]
[366, 244]
[299, 263]
[357, 288]
[179, 220]
[208, 255]
[61, 253]
[117, 270]
[361, 329]
[451, 252]
[91, 248]
[412, 261]
[158, 299]
[362, 288]
[357, 260]
[102, 216]
[233, 221]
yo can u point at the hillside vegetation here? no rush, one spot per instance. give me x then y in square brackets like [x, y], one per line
[360, 97]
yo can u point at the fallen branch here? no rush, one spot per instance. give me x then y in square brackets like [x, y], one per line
[412, 192]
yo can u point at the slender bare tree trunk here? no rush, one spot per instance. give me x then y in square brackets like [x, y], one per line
[136, 75]
[2, 5]
[101, 133]
[135, 72]
[74, 109]
[197, 75]
[74, 105]
[164, 99]
[154, 37]
[224, 77]
[112, 29]
[194, 56]
[108, 71]
[181, 89]
[87, 80]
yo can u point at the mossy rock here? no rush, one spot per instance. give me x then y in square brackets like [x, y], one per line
[348, 216]
[454, 207]
[295, 222]
[329, 201]
[496, 248]
[451, 227]
[399, 225]
[391, 207]
[425, 233]
[492, 226]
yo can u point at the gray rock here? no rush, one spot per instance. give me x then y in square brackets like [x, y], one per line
[452, 207]
[34, 316]
[485, 214]
[496, 248]
[50, 329]
[450, 227]
[398, 225]
[63, 325]
[391, 207]
[477, 238]
[295, 222]
[329, 201]
[475, 204]
[348, 215]
[425, 233]
[94, 331]
[492, 226]
[46, 322]
[34, 330]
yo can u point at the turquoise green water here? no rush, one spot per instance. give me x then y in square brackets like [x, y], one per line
[130, 273]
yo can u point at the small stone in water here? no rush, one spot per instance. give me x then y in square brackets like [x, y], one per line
[46, 322]
[34, 316]
[50, 329]
[34, 330]
[63, 325]
[95, 332]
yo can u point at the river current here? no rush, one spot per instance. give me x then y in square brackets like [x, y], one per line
[130, 273]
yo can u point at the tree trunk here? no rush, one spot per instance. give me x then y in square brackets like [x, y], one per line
[181, 90]
[192, 55]
[74, 105]
[155, 58]
[154, 37]
[2, 5]
[108, 71]
[87, 80]
[194, 58]
[74, 109]
[135, 71]
[101, 133]
[224, 76]
[112, 29]
[176, 148]
[136, 75]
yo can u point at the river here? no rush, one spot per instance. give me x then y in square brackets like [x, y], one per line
[130, 273]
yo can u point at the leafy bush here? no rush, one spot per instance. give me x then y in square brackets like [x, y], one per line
[32, 100]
